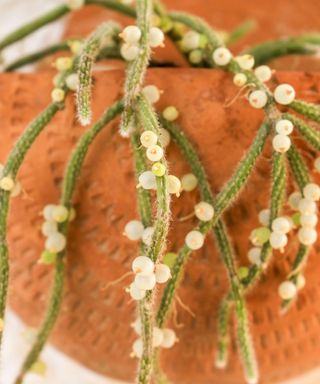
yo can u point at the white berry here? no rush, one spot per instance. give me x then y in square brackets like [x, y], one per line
[164, 137]
[169, 338]
[162, 273]
[294, 200]
[137, 326]
[152, 93]
[204, 211]
[258, 99]
[157, 337]
[239, 79]
[264, 217]
[284, 127]
[56, 242]
[131, 34]
[137, 348]
[48, 212]
[7, 183]
[170, 113]
[129, 52]
[281, 143]
[143, 265]
[278, 240]
[194, 240]
[154, 152]
[307, 207]
[49, 227]
[134, 230]
[60, 213]
[72, 81]
[245, 61]
[136, 293]
[190, 40]
[281, 225]
[74, 5]
[308, 221]
[254, 255]
[284, 94]
[156, 37]
[263, 73]
[221, 56]
[148, 138]
[301, 281]
[307, 236]
[147, 236]
[287, 290]
[189, 182]
[174, 185]
[146, 282]
[57, 95]
[311, 192]
[147, 180]
[317, 164]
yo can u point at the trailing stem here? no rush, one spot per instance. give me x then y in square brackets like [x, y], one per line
[103, 36]
[11, 169]
[72, 173]
[301, 176]
[137, 68]
[148, 120]
[224, 245]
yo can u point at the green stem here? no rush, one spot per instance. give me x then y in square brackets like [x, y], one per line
[264, 52]
[224, 315]
[137, 68]
[148, 120]
[241, 31]
[224, 245]
[301, 175]
[276, 202]
[71, 176]
[311, 111]
[311, 135]
[11, 169]
[33, 57]
[91, 48]
[221, 203]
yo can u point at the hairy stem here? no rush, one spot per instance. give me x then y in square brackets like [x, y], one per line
[311, 111]
[301, 175]
[305, 45]
[72, 173]
[11, 169]
[311, 135]
[102, 36]
[137, 68]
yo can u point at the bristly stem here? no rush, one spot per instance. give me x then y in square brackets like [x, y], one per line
[230, 191]
[278, 190]
[137, 68]
[11, 169]
[311, 111]
[224, 244]
[71, 176]
[148, 120]
[301, 175]
[267, 51]
[311, 135]
[91, 48]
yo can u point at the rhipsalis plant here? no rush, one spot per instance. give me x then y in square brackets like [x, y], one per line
[149, 132]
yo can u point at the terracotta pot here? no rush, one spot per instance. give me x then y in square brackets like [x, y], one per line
[94, 325]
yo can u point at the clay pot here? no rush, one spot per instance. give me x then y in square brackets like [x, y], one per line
[94, 325]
